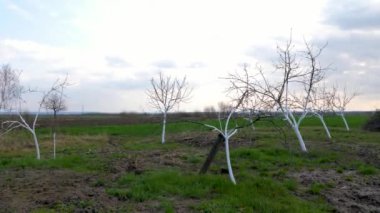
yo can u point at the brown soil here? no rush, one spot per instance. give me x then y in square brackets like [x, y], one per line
[347, 191]
[67, 191]
[206, 139]
[115, 119]
[23, 190]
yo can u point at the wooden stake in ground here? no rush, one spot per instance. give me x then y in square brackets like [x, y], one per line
[212, 153]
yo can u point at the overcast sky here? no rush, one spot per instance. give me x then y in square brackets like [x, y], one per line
[110, 49]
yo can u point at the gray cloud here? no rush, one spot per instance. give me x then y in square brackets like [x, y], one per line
[128, 84]
[355, 62]
[361, 46]
[353, 14]
[353, 56]
[116, 62]
[140, 81]
[164, 64]
[264, 53]
[353, 52]
[62, 71]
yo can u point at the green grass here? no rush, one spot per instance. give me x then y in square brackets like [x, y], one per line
[168, 172]
[131, 130]
[316, 188]
[290, 184]
[162, 183]
[333, 121]
[367, 169]
[217, 193]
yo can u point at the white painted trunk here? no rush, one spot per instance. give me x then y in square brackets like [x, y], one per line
[36, 145]
[324, 126]
[253, 127]
[163, 129]
[230, 172]
[300, 139]
[296, 130]
[345, 122]
[252, 124]
[54, 145]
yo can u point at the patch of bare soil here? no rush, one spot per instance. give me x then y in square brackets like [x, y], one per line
[347, 191]
[162, 159]
[177, 204]
[25, 190]
[201, 139]
[370, 155]
[207, 139]
[65, 190]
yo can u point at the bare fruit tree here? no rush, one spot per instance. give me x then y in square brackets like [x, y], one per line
[21, 122]
[314, 100]
[10, 89]
[167, 93]
[322, 100]
[276, 93]
[55, 101]
[340, 100]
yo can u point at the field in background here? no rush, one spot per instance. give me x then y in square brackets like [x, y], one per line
[116, 162]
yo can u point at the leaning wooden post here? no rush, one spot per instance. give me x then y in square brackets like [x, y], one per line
[212, 154]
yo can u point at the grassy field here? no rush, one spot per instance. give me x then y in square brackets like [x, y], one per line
[124, 167]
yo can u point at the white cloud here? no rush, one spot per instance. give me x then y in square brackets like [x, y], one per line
[120, 45]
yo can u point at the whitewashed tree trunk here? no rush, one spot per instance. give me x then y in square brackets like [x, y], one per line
[226, 135]
[54, 145]
[36, 144]
[251, 121]
[324, 125]
[32, 130]
[295, 126]
[230, 172]
[345, 122]
[299, 137]
[163, 128]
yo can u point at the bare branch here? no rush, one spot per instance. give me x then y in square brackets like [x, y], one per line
[167, 93]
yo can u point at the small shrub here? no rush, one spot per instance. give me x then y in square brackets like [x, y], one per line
[99, 183]
[121, 194]
[194, 159]
[167, 206]
[367, 170]
[348, 178]
[291, 184]
[316, 188]
[373, 124]
[340, 170]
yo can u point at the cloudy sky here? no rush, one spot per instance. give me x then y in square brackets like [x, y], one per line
[110, 49]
